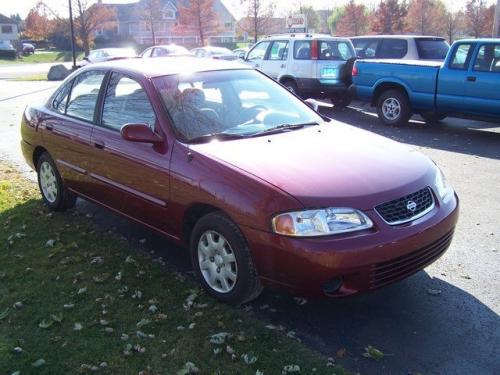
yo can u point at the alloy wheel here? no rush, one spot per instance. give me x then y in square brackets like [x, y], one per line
[391, 109]
[48, 182]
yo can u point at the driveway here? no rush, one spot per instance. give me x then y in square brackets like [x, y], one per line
[443, 320]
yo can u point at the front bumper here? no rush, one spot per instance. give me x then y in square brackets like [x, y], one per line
[365, 261]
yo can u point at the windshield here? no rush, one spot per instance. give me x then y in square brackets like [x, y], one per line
[432, 49]
[230, 102]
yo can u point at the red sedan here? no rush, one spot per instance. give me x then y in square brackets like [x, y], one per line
[263, 190]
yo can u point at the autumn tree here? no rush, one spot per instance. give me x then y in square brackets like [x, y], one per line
[335, 17]
[454, 24]
[389, 17]
[479, 18]
[151, 14]
[260, 14]
[426, 17]
[38, 25]
[354, 20]
[198, 17]
[88, 17]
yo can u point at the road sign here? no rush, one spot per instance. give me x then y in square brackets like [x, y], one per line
[296, 21]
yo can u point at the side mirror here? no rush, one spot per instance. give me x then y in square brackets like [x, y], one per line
[139, 133]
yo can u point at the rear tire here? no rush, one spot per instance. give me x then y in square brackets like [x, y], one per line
[393, 108]
[54, 193]
[222, 261]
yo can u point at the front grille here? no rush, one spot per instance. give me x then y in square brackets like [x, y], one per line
[398, 210]
[398, 268]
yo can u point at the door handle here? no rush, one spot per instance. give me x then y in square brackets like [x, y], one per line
[49, 128]
[471, 79]
[99, 144]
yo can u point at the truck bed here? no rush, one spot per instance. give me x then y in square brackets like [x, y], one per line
[417, 76]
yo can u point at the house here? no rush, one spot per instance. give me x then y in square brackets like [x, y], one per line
[8, 29]
[130, 24]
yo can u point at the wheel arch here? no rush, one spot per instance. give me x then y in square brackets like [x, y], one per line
[194, 213]
[39, 150]
[286, 78]
[384, 86]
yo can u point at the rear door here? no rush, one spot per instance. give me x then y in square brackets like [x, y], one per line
[332, 57]
[67, 127]
[452, 78]
[133, 177]
[482, 84]
[275, 60]
[302, 67]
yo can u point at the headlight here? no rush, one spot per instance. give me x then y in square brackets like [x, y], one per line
[443, 188]
[321, 222]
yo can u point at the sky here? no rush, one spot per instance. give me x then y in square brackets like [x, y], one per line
[8, 7]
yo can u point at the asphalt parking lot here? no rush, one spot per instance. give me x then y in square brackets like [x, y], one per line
[444, 320]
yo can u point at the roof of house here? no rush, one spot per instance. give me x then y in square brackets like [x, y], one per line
[7, 20]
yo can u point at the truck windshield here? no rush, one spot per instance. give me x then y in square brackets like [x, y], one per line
[432, 48]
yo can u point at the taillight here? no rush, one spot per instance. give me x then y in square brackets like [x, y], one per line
[314, 50]
[354, 70]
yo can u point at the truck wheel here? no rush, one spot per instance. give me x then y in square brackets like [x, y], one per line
[432, 117]
[393, 108]
[222, 260]
[54, 194]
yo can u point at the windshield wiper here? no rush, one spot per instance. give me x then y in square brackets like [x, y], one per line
[210, 136]
[283, 127]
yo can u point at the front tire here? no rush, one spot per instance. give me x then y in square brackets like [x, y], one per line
[393, 108]
[221, 260]
[54, 194]
[292, 87]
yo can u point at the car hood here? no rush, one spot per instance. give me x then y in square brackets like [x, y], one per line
[331, 164]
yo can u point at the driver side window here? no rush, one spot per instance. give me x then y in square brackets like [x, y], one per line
[258, 52]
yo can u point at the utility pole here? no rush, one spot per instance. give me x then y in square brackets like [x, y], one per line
[496, 22]
[72, 34]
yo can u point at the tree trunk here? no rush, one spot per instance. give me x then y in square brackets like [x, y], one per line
[496, 22]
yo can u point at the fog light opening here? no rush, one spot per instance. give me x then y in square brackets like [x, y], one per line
[332, 285]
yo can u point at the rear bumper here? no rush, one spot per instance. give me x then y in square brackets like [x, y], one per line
[363, 262]
[322, 88]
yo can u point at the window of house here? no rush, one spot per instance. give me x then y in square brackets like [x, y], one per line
[126, 102]
[83, 97]
[168, 14]
[7, 29]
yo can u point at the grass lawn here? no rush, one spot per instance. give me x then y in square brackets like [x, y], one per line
[73, 300]
[43, 57]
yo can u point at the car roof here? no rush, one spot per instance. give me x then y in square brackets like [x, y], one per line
[400, 36]
[307, 36]
[479, 40]
[163, 66]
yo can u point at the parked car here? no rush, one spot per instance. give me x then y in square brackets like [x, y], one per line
[260, 188]
[405, 47]
[7, 50]
[465, 85]
[319, 66]
[28, 48]
[108, 54]
[165, 50]
[241, 52]
[218, 53]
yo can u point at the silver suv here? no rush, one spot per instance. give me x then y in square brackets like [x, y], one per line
[310, 65]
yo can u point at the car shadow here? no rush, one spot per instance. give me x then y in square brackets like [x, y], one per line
[424, 325]
[451, 134]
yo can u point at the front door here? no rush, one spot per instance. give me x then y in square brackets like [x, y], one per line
[257, 54]
[275, 61]
[133, 177]
[482, 86]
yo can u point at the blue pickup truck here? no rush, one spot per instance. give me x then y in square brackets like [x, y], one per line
[466, 84]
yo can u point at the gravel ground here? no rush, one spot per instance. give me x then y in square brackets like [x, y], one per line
[443, 320]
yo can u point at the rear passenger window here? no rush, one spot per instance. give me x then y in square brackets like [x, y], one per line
[334, 50]
[488, 58]
[302, 50]
[84, 93]
[393, 49]
[366, 48]
[126, 102]
[460, 58]
[279, 50]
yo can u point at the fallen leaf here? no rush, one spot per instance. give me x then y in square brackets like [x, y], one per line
[143, 322]
[189, 368]
[249, 358]
[220, 338]
[289, 369]
[45, 323]
[50, 243]
[38, 363]
[57, 317]
[77, 327]
[433, 292]
[341, 352]
[4, 314]
[374, 353]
